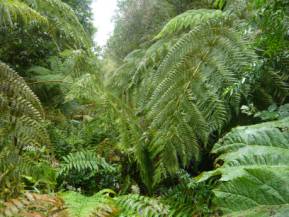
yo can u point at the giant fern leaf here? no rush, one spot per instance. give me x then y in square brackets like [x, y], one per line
[253, 165]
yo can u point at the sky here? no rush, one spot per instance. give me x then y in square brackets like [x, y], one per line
[103, 11]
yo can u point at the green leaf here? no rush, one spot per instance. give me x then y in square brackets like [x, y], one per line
[254, 169]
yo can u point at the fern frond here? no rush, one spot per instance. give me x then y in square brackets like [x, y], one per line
[188, 91]
[180, 200]
[189, 20]
[275, 83]
[85, 160]
[102, 205]
[21, 110]
[136, 205]
[25, 127]
[188, 199]
[98, 205]
[14, 85]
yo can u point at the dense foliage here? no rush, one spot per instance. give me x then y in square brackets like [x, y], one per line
[151, 127]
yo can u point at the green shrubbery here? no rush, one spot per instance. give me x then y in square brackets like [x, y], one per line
[149, 129]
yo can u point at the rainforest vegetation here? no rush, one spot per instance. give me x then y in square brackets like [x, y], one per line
[184, 112]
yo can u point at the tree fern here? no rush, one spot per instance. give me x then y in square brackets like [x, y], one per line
[189, 86]
[185, 98]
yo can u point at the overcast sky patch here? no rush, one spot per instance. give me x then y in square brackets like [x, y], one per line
[103, 11]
